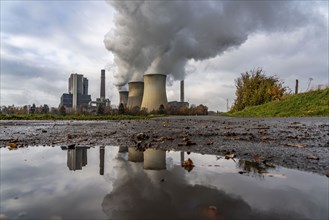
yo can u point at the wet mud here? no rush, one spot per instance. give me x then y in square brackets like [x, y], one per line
[298, 143]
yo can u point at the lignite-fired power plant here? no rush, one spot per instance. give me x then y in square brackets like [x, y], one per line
[149, 95]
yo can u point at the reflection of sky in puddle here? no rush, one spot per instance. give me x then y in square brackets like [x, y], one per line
[51, 183]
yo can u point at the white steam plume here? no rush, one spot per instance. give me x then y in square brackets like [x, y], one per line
[161, 36]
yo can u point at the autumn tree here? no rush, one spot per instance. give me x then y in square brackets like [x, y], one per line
[255, 88]
[62, 110]
[32, 109]
[121, 109]
[161, 109]
[100, 109]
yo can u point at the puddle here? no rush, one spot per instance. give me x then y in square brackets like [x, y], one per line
[103, 183]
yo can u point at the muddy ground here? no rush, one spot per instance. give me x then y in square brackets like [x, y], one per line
[300, 143]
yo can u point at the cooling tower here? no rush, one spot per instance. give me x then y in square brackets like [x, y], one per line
[135, 155]
[123, 98]
[154, 92]
[154, 159]
[135, 95]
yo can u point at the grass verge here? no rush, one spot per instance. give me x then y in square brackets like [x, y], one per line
[313, 103]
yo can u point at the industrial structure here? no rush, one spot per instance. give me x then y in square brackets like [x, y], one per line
[101, 100]
[182, 90]
[102, 92]
[182, 102]
[77, 92]
[154, 92]
[123, 98]
[154, 159]
[150, 94]
[135, 96]
[77, 158]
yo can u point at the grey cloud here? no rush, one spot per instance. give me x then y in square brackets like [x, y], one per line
[161, 36]
[26, 70]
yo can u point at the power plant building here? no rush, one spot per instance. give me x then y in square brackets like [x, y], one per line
[101, 100]
[182, 103]
[78, 92]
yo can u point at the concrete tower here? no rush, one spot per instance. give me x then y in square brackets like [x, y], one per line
[102, 95]
[154, 92]
[154, 159]
[182, 90]
[135, 96]
[123, 98]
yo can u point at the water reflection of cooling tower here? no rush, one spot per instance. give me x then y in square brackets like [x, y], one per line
[135, 95]
[154, 92]
[123, 98]
[135, 155]
[154, 159]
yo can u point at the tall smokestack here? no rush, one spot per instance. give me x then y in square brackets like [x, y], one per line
[154, 92]
[123, 98]
[182, 90]
[135, 95]
[102, 95]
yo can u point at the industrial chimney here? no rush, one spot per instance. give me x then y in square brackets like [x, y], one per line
[123, 98]
[182, 90]
[154, 92]
[135, 95]
[102, 95]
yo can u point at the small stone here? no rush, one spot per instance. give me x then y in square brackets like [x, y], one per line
[313, 157]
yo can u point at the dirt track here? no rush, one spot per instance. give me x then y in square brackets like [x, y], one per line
[301, 143]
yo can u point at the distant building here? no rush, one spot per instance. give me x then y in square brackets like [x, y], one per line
[66, 100]
[178, 104]
[78, 92]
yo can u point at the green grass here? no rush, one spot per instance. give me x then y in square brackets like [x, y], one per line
[314, 103]
[72, 117]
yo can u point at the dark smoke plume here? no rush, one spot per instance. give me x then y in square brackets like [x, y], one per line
[161, 36]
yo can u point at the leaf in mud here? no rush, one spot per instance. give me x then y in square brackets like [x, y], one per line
[69, 136]
[276, 175]
[12, 145]
[268, 164]
[142, 136]
[297, 145]
[327, 174]
[312, 157]
[210, 143]
[230, 155]
[188, 165]
[186, 143]
[266, 138]
[258, 158]
[165, 124]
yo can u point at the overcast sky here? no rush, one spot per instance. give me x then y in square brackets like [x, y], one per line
[43, 42]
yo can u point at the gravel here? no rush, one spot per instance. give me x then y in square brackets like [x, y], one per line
[298, 143]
